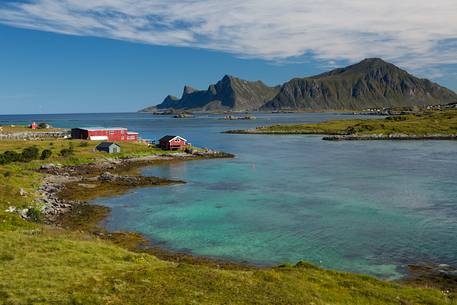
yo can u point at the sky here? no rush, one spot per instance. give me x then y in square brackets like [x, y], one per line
[68, 56]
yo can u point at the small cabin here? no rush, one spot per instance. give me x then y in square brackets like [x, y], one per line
[172, 143]
[33, 126]
[109, 147]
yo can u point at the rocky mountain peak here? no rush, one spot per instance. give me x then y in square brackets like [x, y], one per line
[188, 90]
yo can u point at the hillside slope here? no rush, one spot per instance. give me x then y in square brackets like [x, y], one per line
[370, 83]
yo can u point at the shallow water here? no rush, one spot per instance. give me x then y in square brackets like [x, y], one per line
[368, 207]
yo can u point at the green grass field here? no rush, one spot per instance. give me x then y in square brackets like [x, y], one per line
[432, 123]
[41, 264]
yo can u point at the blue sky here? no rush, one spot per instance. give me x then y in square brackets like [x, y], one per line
[113, 55]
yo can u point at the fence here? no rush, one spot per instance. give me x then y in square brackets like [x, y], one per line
[36, 135]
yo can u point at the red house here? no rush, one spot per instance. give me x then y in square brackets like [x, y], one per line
[172, 143]
[104, 134]
[34, 125]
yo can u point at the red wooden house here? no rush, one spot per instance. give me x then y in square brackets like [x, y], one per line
[172, 143]
[104, 134]
[34, 125]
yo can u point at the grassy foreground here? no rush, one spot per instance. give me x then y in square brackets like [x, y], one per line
[42, 264]
[442, 123]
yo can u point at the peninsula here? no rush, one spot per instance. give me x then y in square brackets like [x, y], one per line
[439, 125]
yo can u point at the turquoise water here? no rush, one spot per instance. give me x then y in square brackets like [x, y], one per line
[368, 207]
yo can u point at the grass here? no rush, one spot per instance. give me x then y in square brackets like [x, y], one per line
[49, 267]
[9, 129]
[17, 176]
[423, 124]
[42, 264]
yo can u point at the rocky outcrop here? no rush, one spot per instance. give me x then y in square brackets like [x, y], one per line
[53, 205]
[102, 174]
[230, 93]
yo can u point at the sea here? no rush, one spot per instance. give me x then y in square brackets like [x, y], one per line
[369, 207]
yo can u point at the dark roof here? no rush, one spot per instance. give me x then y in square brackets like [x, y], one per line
[106, 144]
[167, 138]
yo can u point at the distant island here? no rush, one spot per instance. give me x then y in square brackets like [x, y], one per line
[433, 125]
[372, 83]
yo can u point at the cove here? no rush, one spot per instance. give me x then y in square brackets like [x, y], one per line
[367, 207]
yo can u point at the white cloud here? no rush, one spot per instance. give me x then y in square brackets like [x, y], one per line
[415, 33]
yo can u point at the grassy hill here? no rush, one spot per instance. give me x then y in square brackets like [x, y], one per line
[43, 264]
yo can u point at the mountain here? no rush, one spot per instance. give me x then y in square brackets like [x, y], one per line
[370, 83]
[230, 93]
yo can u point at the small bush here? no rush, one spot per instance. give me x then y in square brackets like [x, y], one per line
[34, 214]
[83, 144]
[396, 118]
[351, 130]
[46, 154]
[7, 174]
[66, 152]
[29, 154]
[3, 160]
[12, 156]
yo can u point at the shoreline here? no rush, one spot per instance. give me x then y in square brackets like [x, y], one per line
[391, 137]
[72, 214]
[65, 209]
[350, 137]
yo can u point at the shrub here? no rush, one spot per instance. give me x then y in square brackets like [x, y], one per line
[3, 160]
[34, 214]
[43, 126]
[7, 174]
[45, 154]
[66, 152]
[83, 144]
[29, 154]
[396, 118]
[351, 130]
[12, 156]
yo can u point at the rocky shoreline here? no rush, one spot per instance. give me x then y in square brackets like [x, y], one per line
[350, 137]
[381, 137]
[62, 210]
[80, 215]
[61, 184]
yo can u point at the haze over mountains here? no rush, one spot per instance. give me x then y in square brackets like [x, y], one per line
[370, 83]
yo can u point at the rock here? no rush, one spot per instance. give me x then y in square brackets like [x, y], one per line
[23, 213]
[22, 192]
[10, 210]
[48, 166]
[107, 176]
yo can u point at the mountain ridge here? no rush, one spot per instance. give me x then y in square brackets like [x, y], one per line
[230, 93]
[370, 83]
